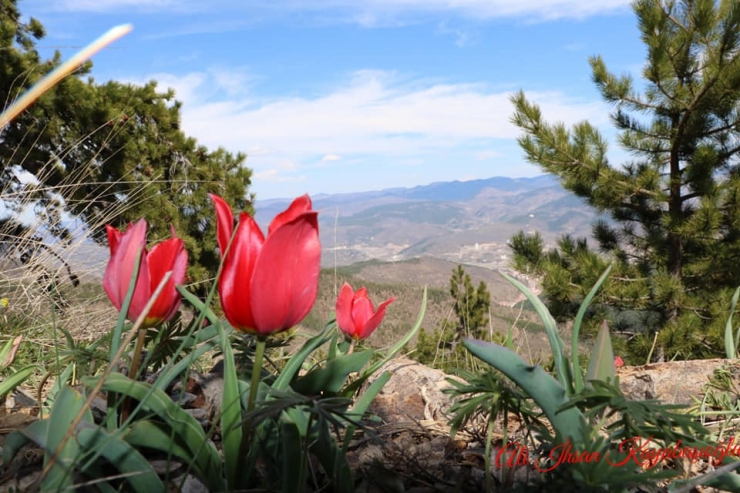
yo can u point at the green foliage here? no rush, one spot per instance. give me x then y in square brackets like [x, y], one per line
[472, 305]
[296, 414]
[12, 378]
[720, 405]
[546, 391]
[593, 418]
[291, 417]
[673, 232]
[442, 348]
[60, 451]
[601, 363]
[485, 396]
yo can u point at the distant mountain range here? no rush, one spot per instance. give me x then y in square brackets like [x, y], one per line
[465, 221]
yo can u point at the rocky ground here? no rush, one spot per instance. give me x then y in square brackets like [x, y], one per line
[416, 452]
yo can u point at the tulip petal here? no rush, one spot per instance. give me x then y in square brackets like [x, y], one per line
[169, 255]
[362, 309]
[224, 222]
[344, 310]
[239, 265]
[120, 267]
[299, 206]
[114, 238]
[143, 290]
[375, 320]
[286, 275]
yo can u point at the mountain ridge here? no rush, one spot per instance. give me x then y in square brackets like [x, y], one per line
[466, 221]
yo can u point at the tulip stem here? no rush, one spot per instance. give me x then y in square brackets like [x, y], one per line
[256, 372]
[247, 424]
[135, 361]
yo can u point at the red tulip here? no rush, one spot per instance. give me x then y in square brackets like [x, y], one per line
[355, 314]
[268, 285]
[618, 362]
[169, 255]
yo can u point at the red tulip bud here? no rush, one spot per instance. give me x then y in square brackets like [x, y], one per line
[169, 255]
[355, 314]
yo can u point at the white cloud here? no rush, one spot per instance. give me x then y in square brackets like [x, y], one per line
[187, 88]
[198, 87]
[372, 114]
[373, 109]
[230, 81]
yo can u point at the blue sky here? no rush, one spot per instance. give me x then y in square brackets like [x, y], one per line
[332, 96]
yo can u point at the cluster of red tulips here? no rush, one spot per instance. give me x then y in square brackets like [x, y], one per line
[267, 284]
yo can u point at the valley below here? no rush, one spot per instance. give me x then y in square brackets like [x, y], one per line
[466, 222]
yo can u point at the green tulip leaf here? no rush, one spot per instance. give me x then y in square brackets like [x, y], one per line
[183, 426]
[15, 441]
[68, 405]
[332, 459]
[577, 380]
[545, 390]
[231, 415]
[362, 403]
[176, 370]
[601, 364]
[299, 417]
[730, 342]
[562, 365]
[198, 304]
[331, 376]
[137, 470]
[59, 382]
[293, 460]
[17, 378]
[296, 362]
[146, 434]
[333, 345]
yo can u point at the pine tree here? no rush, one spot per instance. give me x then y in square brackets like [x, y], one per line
[105, 153]
[471, 304]
[442, 348]
[674, 229]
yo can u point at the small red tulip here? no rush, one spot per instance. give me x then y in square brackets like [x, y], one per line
[356, 316]
[618, 362]
[169, 255]
[268, 285]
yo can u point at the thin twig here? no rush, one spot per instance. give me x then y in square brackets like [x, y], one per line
[62, 71]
